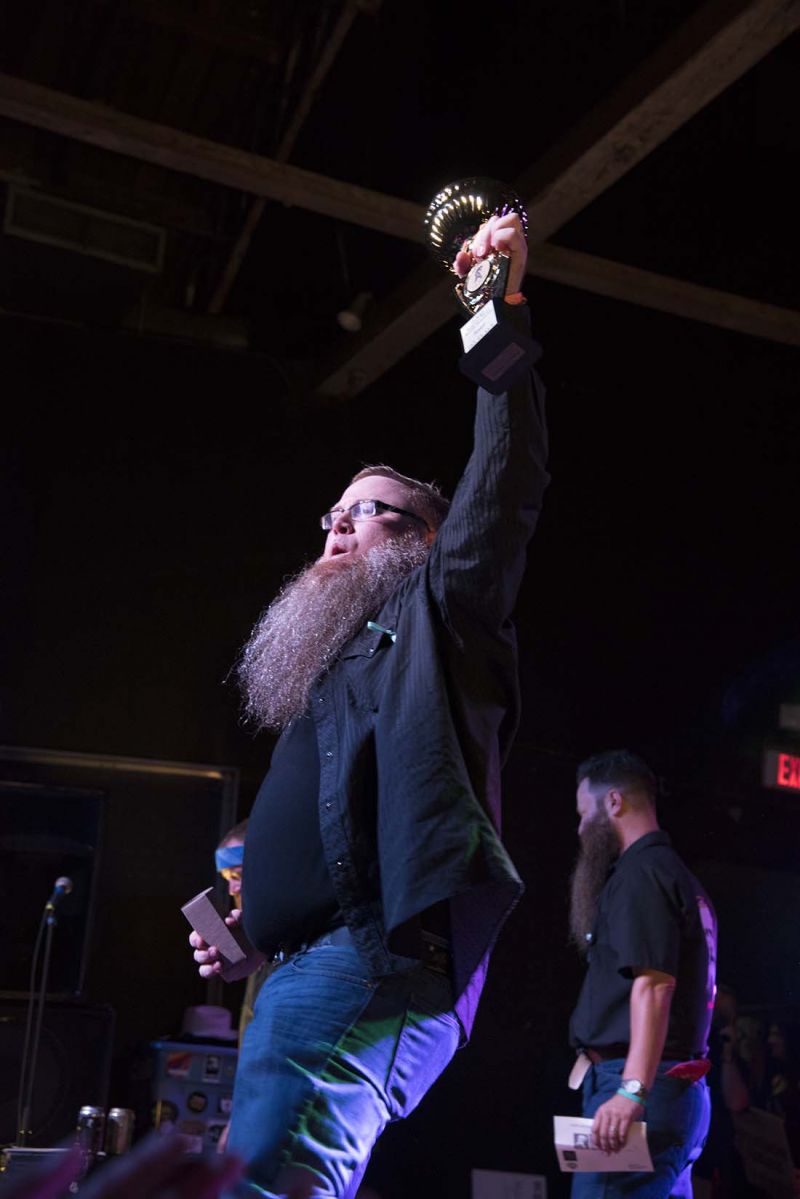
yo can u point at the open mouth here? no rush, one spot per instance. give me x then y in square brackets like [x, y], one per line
[338, 549]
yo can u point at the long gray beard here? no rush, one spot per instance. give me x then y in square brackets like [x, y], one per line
[599, 848]
[300, 634]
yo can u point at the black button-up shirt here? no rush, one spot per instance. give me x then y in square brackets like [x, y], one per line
[413, 727]
[653, 914]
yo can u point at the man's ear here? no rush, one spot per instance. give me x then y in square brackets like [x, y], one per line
[613, 802]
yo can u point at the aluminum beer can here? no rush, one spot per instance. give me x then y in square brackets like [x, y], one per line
[91, 1130]
[119, 1130]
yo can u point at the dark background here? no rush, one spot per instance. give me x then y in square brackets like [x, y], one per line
[156, 491]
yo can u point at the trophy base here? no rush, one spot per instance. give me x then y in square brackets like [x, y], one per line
[496, 352]
[202, 914]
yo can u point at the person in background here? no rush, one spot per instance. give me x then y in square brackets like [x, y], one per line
[229, 860]
[781, 1092]
[648, 933]
[720, 1163]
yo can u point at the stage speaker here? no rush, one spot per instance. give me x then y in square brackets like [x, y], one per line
[137, 837]
[73, 1067]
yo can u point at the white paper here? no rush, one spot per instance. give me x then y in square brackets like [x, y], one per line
[500, 1184]
[572, 1136]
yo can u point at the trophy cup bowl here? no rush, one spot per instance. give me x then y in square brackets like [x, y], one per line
[454, 216]
[496, 350]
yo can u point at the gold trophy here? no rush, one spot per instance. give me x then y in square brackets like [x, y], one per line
[496, 350]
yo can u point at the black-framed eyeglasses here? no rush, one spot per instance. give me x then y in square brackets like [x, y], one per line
[363, 510]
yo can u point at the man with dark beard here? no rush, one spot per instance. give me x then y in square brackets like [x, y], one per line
[373, 865]
[648, 931]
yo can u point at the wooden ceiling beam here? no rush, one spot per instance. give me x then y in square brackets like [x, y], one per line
[414, 311]
[722, 41]
[98, 125]
[692, 301]
[717, 45]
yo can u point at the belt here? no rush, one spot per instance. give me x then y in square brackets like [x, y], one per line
[436, 952]
[336, 936]
[607, 1054]
[689, 1066]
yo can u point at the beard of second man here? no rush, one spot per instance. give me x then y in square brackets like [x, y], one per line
[598, 850]
[301, 633]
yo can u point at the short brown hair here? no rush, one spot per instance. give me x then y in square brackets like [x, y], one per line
[427, 497]
[237, 833]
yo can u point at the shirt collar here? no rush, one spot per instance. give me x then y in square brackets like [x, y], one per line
[657, 837]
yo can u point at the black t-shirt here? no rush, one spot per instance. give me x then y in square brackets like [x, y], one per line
[287, 894]
[653, 914]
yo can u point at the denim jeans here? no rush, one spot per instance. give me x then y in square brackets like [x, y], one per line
[677, 1115]
[328, 1060]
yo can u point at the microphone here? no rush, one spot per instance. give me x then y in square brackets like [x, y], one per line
[63, 886]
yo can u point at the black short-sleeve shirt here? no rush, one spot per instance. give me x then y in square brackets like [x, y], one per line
[653, 914]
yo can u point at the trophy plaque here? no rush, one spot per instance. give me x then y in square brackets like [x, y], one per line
[235, 950]
[496, 350]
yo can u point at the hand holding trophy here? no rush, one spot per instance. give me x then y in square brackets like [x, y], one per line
[476, 229]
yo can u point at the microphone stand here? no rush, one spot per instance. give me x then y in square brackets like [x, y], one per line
[36, 1002]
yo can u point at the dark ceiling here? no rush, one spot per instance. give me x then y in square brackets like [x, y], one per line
[665, 561]
[394, 98]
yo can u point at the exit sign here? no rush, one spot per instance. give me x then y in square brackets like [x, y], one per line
[781, 770]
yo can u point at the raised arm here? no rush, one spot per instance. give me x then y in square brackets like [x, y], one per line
[478, 558]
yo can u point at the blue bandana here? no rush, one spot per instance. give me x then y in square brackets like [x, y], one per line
[229, 856]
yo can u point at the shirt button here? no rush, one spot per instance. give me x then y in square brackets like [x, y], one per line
[371, 652]
[328, 804]
[328, 753]
[321, 699]
[340, 863]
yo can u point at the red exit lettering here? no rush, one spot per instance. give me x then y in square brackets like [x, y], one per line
[788, 773]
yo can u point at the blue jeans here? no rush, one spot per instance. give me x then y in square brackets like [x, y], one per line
[677, 1115]
[328, 1060]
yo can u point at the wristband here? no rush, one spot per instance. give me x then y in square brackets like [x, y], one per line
[628, 1095]
[515, 297]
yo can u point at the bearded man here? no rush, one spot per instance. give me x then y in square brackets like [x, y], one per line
[373, 865]
[641, 1025]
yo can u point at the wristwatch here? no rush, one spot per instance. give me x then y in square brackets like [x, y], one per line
[634, 1087]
